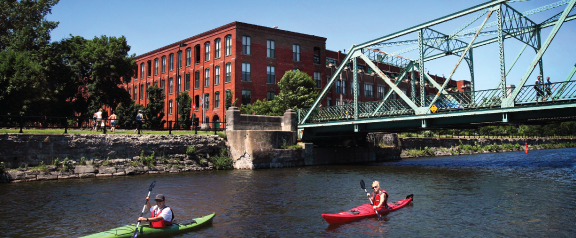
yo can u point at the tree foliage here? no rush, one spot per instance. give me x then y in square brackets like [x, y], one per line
[73, 75]
[154, 111]
[297, 90]
[126, 113]
[184, 106]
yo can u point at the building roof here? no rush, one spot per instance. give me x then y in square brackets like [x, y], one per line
[233, 24]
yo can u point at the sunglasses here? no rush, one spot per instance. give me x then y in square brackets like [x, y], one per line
[375, 187]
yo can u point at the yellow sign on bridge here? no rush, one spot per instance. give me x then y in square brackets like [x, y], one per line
[433, 108]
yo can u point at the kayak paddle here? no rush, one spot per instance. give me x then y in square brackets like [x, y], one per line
[363, 186]
[144, 208]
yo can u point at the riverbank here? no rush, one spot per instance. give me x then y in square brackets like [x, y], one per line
[428, 147]
[48, 157]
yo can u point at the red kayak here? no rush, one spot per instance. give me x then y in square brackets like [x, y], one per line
[364, 211]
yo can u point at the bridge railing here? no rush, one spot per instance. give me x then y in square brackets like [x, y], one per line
[551, 93]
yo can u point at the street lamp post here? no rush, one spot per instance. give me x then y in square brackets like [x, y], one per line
[179, 82]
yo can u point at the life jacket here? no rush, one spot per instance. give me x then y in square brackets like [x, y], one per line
[161, 223]
[376, 199]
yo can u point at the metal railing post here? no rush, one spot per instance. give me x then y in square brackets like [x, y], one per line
[104, 127]
[65, 125]
[21, 123]
[169, 127]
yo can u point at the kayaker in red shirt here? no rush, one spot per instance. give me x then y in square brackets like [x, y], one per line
[160, 215]
[379, 197]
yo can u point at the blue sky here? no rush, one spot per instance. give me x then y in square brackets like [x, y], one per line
[149, 25]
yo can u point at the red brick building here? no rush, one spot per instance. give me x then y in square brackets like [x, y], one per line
[247, 61]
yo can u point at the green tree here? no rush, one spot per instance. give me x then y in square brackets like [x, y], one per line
[297, 90]
[154, 111]
[24, 43]
[184, 107]
[108, 62]
[126, 113]
[229, 97]
[263, 107]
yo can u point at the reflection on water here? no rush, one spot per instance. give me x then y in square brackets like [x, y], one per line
[495, 195]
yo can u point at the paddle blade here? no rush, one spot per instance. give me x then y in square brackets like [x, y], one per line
[362, 184]
[152, 185]
[135, 233]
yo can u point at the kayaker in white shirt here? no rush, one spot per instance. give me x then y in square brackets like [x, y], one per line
[160, 215]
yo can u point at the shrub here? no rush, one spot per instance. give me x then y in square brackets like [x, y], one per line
[2, 167]
[191, 150]
[82, 160]
[56, 162]
[106, 162]
[147, 160]
[40, 167]
[222, 161]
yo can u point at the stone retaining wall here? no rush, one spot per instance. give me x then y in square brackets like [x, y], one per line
[30, 157]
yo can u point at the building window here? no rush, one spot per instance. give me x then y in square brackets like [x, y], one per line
[246, 96]
[141, 91]
[142, 70]
[270, 95]
[197, 79]
[332, 60]
[197, 54]
[179, 59]
[207, 101]
[368, 90]
[328, 101]
[246, 45]
[246, 72]
[206, 77]
[179, 84]
[228, 72]
[188, 57]
[217, 75]
[149, 68]
[296, 52]
[270, 49]
[170, 85]
[316, 55]
[228, 45]
[216, 99]
[197, 101]
[217, 49]
[207, 51]
[317, 79]
[163, 64]
[338, 87]
[343, 87]
[135, 92]
[170, 107]
[146, 89]
[130, 92]
[271, 74]
[380, 91]
[156, 66]
[187, 82]
[171, 62]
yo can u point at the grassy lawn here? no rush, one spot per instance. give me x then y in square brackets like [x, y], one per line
[117, 132]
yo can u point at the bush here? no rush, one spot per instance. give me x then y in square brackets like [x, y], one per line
[2, 167]
[82, 160]
[40, 167]
[106, 162]
[191, 150]
[147, 160]
[222, 161]
[56, 162]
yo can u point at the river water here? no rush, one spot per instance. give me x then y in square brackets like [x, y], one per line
[485, 195]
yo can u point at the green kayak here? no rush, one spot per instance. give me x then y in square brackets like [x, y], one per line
[146, 231]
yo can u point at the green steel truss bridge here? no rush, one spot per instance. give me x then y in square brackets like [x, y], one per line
[524, 103]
